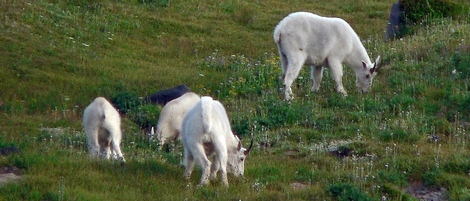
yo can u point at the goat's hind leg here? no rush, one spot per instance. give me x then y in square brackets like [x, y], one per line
[93, 145]
[200, 157]
[188, 164]
[215, 168]
[116, 151]
[294, 64]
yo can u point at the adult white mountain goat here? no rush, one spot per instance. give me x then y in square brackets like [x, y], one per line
[206, 133]
[103, 128]
[171, 117]
[306, 38]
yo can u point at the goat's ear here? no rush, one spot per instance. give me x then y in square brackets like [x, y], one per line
[364, 64]
[239, 147]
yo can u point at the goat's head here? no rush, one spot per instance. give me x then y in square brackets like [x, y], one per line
[236, 160]
[365, 77]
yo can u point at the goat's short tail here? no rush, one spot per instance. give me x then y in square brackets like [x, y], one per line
[277, 34]
[206, 105]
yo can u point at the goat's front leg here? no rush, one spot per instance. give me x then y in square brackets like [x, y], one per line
[337, 75]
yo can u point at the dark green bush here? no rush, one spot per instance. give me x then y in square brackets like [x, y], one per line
[242, 126]
[432, 177]
[346, 192]
[419, 11]
[461, 64]
[125, 101]
[145, 116]
[394, 177]
[415, 11]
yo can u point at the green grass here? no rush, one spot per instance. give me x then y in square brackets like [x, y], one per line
[57, 56]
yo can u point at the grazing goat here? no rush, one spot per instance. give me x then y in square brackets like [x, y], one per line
[171, 117]
[164, 96]
[103, 128]
[206, 133]
[306, 38]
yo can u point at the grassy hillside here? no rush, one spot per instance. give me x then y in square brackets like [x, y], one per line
[410, 132]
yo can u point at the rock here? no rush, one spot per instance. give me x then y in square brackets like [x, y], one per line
[9, 177]
[395, 24]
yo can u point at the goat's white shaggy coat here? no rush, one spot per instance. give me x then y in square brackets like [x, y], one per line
[103, 128]
[306, 38]
[171, 117]
[206, 133]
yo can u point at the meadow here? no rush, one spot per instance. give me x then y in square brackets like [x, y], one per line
[410, 133]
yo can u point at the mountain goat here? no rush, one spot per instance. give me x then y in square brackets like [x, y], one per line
[206, 133]
[171, 117]
[306, 38]
[103, 128]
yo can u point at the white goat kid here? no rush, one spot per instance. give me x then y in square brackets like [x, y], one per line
[206, 133]
[171, 117]
[306, 38]
[103, 128]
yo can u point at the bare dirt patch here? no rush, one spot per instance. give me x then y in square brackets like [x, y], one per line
[9, 174]
[298, 186]
[424, 193]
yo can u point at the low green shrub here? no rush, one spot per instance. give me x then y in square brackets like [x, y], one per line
[461, 63]
[415, 11]
[125, 101]
[394, 177]
[433, 177]
[422, 11]
[460, 165]
[146, 116]
[346, 192]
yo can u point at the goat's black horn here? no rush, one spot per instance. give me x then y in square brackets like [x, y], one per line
[249, 148]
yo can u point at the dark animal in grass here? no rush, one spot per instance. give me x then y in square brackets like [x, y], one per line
[164, 96]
